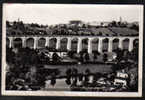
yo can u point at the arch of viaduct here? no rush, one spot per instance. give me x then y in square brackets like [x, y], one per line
[79, 41]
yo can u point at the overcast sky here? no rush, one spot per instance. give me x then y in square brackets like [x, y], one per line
[54, 14]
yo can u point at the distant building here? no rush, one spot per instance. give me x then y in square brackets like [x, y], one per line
[121, 78]
[105, 24]
[94, 23]
[76, 22]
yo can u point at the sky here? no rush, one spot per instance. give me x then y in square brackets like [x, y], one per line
[49, 14]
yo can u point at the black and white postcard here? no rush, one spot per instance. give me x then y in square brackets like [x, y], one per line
[90, 50]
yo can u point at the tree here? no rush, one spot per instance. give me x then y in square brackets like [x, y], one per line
[133, 79]
[96, 53]
[21, 26]
[114, 23]
[70, 54]
[81, 59]
[86, 57]
[10, 55]
[53, 79]
[119, 53]
[8, 24]
[105, 56]
[135, 27]
[100, 34]
[134, 54]
[55, 57]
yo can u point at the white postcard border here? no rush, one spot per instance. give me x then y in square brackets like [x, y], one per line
[72, 93]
